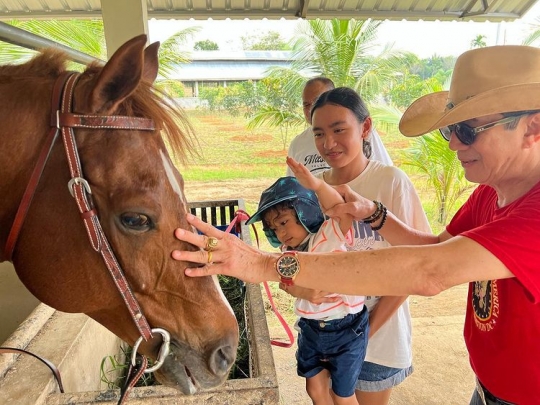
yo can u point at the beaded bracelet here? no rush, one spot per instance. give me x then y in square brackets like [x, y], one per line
[376, 215]
[377, 228]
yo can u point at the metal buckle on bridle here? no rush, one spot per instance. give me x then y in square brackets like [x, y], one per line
[163, 350]
[78, 181]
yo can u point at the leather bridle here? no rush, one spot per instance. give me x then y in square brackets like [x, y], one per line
[62, 122]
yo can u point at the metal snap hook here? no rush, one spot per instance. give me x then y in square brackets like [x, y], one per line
[163, 350]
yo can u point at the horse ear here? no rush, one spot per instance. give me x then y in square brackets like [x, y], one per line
[151, 62]
[120, 76]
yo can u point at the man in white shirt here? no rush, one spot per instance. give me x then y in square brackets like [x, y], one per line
[302, 147]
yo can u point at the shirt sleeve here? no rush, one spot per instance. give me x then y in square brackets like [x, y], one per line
[511, 233]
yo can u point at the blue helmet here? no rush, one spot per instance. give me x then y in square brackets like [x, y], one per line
[304, 201]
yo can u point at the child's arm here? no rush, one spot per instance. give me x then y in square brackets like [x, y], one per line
[327, 195]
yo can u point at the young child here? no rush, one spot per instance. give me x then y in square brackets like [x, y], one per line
[333, 336]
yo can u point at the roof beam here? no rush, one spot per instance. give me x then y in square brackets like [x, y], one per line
[303, 9]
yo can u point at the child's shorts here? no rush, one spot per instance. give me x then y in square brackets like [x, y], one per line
[338, 345]
[376, 377]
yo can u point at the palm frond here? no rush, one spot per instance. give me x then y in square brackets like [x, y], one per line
[274, 118]
[172, 51]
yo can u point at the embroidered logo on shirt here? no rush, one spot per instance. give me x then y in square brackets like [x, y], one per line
[485, 303]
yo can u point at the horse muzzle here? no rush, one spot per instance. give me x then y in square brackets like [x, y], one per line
[190, 371]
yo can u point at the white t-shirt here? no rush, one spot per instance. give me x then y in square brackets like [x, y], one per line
[303, 150]
[329, 238]
[391, 345]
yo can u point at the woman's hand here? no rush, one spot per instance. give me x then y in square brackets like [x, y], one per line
[355, 205]
[231, 256]
[314, 296]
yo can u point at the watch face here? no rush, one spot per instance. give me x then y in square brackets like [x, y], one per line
[288, 266]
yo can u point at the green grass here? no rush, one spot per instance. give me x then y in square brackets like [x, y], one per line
[228, 150]
[232, 170]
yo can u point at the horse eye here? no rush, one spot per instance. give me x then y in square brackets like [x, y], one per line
[135, 221]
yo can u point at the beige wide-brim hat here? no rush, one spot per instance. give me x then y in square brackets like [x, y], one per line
[485, 81]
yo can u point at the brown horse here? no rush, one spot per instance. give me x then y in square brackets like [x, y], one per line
[137, 195]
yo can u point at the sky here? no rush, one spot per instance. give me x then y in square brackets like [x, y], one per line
[424, 38]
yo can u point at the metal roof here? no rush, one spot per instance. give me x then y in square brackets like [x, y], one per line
[477, 10]
[225, 70]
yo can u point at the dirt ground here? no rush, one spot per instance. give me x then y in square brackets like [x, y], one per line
[442, 374]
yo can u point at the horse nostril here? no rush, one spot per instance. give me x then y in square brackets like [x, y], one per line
[222, 359]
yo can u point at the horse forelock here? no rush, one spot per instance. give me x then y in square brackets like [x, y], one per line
[175, 126]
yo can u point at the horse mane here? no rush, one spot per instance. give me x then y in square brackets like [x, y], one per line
[49, 63]
[145, 101]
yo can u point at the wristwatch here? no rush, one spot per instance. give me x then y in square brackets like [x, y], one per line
[287, 267]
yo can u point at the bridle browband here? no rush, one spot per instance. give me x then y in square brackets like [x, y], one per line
[62, 122]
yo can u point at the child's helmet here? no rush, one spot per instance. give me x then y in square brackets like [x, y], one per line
[304, 201]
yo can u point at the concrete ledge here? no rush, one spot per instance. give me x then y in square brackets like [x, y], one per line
[261, 389]
[75, 343]
[24, 334]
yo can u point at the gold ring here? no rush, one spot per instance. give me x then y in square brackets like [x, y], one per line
[209, 257]
[211, 243]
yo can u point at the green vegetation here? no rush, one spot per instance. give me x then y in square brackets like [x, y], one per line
[205, 45]
[270, 41]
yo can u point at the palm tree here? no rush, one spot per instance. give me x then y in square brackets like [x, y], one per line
[479, 42]
[339, 50]
[534, 34]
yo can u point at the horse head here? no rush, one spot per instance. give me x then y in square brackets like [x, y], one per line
[138, 196]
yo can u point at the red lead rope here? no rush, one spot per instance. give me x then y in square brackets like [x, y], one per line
[241, 215]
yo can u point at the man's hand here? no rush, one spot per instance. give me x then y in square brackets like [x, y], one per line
[355, 205]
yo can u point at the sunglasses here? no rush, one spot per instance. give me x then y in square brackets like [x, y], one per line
[467, 134]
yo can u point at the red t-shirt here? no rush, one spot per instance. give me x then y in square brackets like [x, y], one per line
[502, 326]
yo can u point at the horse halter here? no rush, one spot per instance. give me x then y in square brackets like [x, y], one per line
[63, 121]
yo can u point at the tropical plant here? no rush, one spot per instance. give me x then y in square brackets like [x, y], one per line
[88, 36]
[479, 42]
[534, 34]
[337, 49]
[171, 54]
[281, 105]
[431, 156]
[341, 50]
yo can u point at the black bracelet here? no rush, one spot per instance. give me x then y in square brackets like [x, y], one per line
[376, 215]
[377, 228]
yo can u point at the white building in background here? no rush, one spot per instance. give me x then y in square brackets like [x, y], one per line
[218, 68]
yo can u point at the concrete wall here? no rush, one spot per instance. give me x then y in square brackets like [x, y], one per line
[16, 302]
